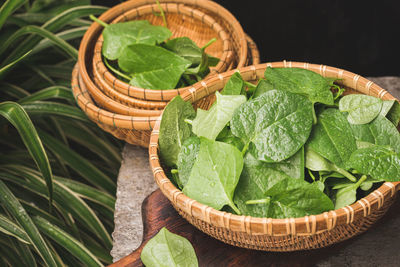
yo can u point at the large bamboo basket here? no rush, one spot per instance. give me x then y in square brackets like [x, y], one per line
[309, 232]
[183, 21]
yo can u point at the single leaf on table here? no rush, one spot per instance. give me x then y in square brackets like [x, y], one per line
[379, 132]
[152, 66]
[301, 81]
[174, 130]
[167, 249]
[120, 35]
[209, 123]
[234, 86]
[332, 137]
[186, 159]
[262, 87]
[361, 108]
[274, 125]
[286, 197]
[379, 162]
[316, 162]
[215, 174]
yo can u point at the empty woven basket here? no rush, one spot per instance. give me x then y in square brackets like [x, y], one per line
[309, 232]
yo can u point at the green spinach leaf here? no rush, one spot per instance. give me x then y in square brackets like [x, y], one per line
[346, 193]
[152, 67]
[120, 35]
[274, 126]
[186, 158]
[301, 81]
[380, 132]
[167, 249]
[215, 174]
[361, 108]
[174, 130]
[293, 166]
[275, 194]
[263, 86]
[394, 114]
[234, 86]
[209, 123]
[227, 136]
[316, 162]
[332, 137]
[386, 107]
[379, 162]
[186, 48]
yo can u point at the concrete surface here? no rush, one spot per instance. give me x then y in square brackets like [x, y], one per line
[377, 247]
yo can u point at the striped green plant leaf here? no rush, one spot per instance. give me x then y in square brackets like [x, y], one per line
[67, 242]
[32, 29]
[78, 163]
[8, 66]
[8, 8]
[39, 73]
[35, 210]
[17, 116]
[86, 137]
[64, 35]
[96, 249]
[25, 253]
[10, 228]
[16, 209]
[13, 90]
[53, 25]
[63, 196]
[49, 93]
[54, 108]
[89, 193]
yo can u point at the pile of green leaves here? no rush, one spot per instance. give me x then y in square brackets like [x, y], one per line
[288, 147]
[57, 168]
[146, 57]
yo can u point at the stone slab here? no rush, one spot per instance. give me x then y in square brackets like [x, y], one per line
[378, 247]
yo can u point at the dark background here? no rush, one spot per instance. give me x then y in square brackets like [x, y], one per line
[359, 36]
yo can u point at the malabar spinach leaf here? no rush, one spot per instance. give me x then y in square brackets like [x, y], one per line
[279, 195]
[174, 130]
[167, 249]
[186, 158]
[316, 162]
[293, 166]
[234, 86]
[209, 123]
[361, 108]
[386, 107]
[394, 114]
[346, 193]
[263, 86]
[152, 66]
[301, 81]
[332, 137]
[120, 35]
[380, 132]
[274, 125]
[226, 136]
[186, 48]
[379, 162]
[215, 174]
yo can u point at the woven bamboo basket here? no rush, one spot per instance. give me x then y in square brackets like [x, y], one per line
[127, 128]
[309, 232]
[198, 26]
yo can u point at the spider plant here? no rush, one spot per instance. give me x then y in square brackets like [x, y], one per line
[57, 168]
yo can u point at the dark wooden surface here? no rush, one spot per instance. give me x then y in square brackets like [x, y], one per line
[379, 246]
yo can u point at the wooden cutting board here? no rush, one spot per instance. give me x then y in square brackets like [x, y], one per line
[158, 212]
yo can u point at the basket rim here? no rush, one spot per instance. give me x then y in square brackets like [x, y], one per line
[109, 15]
[165, 94]
[307, 225]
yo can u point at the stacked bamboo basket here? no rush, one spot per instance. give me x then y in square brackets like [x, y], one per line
[309, 232]
[129, 112]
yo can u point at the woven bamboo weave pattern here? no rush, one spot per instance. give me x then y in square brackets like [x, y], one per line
[309, 232]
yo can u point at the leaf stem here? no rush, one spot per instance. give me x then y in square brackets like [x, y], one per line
[312, 175]
[188, 121]
[258, 201]
[209, 43]
[174, 171]
[250, 85]
[102, 23]
[162, 14]
[123, 75]
[315, 120]
[362, 179]
[244, 150]
[233, 206]
[346, 174]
